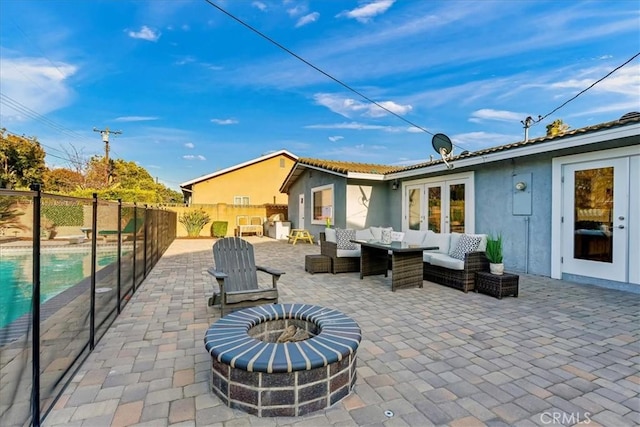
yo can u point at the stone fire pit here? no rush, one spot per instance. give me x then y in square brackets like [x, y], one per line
[254, 373]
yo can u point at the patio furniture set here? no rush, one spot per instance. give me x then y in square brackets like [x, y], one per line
[451, 259]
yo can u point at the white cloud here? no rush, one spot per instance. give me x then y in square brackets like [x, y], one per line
[135, 118]
[335, 138]
[307, 19]
[259, 5]
[297, 10]
[192, 157]
[368, 11]
[349, 107]
[498, 115]
[37, 84]
[185, 60]
[145, 33]
[189, 145]
[224, 122]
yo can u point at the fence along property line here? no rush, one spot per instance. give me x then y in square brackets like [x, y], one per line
[44, 347]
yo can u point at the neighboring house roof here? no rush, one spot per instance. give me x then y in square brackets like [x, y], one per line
[627, 125]
[336, 167]
[238, 166]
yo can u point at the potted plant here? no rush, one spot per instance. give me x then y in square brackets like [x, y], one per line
[494, 254]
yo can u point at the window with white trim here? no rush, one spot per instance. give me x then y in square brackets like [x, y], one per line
[240, 200]
[322, 204]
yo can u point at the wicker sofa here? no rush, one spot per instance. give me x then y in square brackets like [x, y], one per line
[444, 268]
[439, 266]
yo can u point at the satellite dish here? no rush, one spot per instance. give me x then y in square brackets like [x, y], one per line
[442, 144]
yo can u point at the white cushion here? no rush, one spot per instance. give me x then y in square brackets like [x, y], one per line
[453, 242]
[446, 261]
[365, 234]
[344, 238]
[426, 256]
[377, 231]
[414, 237]
[330, 235]
[348, 253]
[466, 243]
[397, 236]
[441, 240]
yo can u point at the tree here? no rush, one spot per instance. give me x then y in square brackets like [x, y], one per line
[62, 180]
[21, 161]
[557, 127]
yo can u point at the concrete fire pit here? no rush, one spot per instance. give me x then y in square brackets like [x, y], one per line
[254, 373]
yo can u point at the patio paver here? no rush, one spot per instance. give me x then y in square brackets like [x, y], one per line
[432, 356]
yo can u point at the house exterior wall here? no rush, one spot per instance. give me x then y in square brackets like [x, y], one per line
[367, 204]
[526, 238]
[259, 181]
[303, 185]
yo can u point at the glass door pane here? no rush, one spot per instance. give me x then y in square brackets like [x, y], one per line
[435, 209]
[414, 196]
[593, 217]
[456, 208]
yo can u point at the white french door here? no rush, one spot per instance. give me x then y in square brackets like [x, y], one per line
[442, 206]
[595, 219]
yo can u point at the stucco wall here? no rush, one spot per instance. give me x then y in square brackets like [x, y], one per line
[367, 204]
[526, 238]
[303, 185]
[259, 181]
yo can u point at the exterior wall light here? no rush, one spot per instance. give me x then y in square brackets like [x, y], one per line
[394, 185]
[521, 186]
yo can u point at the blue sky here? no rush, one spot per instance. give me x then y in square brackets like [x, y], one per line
[194, 91]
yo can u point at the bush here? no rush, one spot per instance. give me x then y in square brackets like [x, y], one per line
[219, 228]
[194, 221]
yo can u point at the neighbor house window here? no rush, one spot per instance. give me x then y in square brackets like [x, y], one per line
[241, 200]
[281, 163]
[322, 199]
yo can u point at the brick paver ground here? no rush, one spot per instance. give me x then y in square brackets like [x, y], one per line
[559, 354]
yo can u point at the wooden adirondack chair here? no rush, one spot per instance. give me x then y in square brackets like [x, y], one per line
[236, 273]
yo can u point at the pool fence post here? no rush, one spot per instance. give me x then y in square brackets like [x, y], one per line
[94, 245]
[135, 239]
[118, 280]
[35, 315]
[146, 223]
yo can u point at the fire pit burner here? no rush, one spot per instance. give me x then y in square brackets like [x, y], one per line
[254, 373]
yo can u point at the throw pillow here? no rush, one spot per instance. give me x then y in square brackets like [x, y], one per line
[343, 237]
[397, 236]
[386, 236]
[465, 244]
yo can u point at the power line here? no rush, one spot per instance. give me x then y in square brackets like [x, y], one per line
[341, 83]
[541, 118]
[21, 108]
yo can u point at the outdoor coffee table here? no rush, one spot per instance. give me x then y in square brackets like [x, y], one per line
[406, 262]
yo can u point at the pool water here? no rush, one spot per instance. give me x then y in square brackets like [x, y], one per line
[58, 271]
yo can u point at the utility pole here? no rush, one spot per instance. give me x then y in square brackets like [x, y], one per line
[105, 138]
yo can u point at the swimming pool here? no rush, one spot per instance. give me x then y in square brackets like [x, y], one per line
[59, 271]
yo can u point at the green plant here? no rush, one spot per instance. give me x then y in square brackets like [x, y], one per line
[194, 221]
[219, 228]
[494, 249]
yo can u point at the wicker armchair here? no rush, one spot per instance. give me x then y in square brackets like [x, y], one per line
[338, 264]
[458, 279]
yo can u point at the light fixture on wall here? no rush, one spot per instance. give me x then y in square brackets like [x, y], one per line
[394, 184]
[521, 186]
